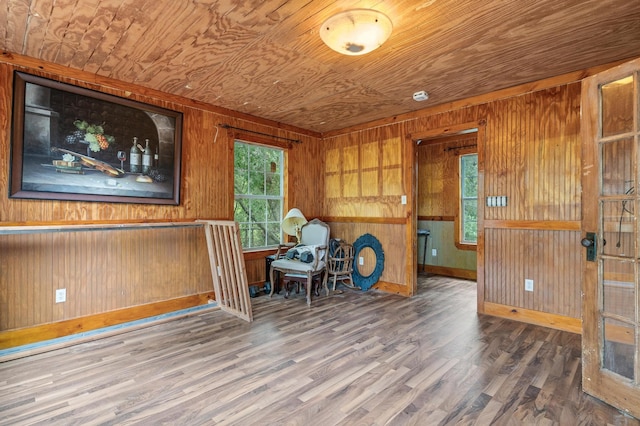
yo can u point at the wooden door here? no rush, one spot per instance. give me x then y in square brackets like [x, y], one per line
[610, 208]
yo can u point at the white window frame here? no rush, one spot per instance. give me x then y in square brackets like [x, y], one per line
[265, 223]
[461, 201]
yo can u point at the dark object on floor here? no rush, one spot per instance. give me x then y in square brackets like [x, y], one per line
[254, 290]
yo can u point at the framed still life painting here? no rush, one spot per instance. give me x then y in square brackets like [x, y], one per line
[73, 143]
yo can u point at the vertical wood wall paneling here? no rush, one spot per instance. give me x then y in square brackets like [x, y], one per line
[100, 270]
[546, 121]
[365, 177]
[256, 271]
[363, 174]
[105, 271]
[306, 176]
[391, 239]
[546, 257]
[437, 171]
[533, 157]
[533, 154]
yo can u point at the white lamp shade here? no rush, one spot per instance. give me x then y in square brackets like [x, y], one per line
[292, 222]
[356, 32]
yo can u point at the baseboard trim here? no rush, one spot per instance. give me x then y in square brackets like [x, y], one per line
[545, 319]
[60, 329]
[466, 274]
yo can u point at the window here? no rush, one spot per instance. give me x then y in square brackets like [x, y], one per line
[258, 186]
[468, 199]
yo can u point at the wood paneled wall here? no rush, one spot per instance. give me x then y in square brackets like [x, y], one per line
[393, 246]
[550, 258]
[365, 179]
[109, 270]
[101, 271]
[437, 175]
[531, 154]
[354, 179]
[364, 175]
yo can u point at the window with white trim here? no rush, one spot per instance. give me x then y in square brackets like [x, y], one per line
[468, 199]
[258, 187]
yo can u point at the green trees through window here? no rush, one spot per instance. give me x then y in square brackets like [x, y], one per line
[258, 187]
[469, 199]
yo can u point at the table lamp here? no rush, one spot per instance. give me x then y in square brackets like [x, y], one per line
[292, 223]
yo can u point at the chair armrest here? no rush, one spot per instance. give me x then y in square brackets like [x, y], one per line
[285, 246]
[316, 256]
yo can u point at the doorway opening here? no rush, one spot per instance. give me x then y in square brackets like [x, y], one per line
[448, 202]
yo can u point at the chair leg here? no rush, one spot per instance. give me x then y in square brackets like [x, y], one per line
[325, 278]
[309, 285]
[272, 282]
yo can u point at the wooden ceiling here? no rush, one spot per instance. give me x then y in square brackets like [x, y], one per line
[265, 58]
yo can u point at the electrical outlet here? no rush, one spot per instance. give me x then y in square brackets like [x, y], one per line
[61, 295]
[360, 260]
[434, 252]
[528, 285]
[403, 199]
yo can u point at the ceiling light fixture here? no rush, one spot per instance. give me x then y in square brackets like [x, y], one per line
[356, 32]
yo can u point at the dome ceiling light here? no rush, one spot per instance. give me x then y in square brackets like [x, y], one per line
[356, 32]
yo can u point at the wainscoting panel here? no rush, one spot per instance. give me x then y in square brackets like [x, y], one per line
[550, 258]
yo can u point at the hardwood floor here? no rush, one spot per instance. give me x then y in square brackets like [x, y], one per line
[356, 358]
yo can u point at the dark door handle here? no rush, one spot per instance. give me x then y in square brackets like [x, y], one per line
[589, 242]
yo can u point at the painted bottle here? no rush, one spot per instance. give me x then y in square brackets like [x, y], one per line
[146, 158]
[135, 159]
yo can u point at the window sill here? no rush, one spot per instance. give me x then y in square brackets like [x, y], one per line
[467, 246]
[251, 254]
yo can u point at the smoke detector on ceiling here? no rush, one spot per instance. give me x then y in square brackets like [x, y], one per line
[420, 96]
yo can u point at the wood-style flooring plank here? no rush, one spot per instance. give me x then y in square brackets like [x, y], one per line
[353, 358]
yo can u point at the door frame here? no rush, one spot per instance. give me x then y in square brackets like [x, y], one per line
[454, 129]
